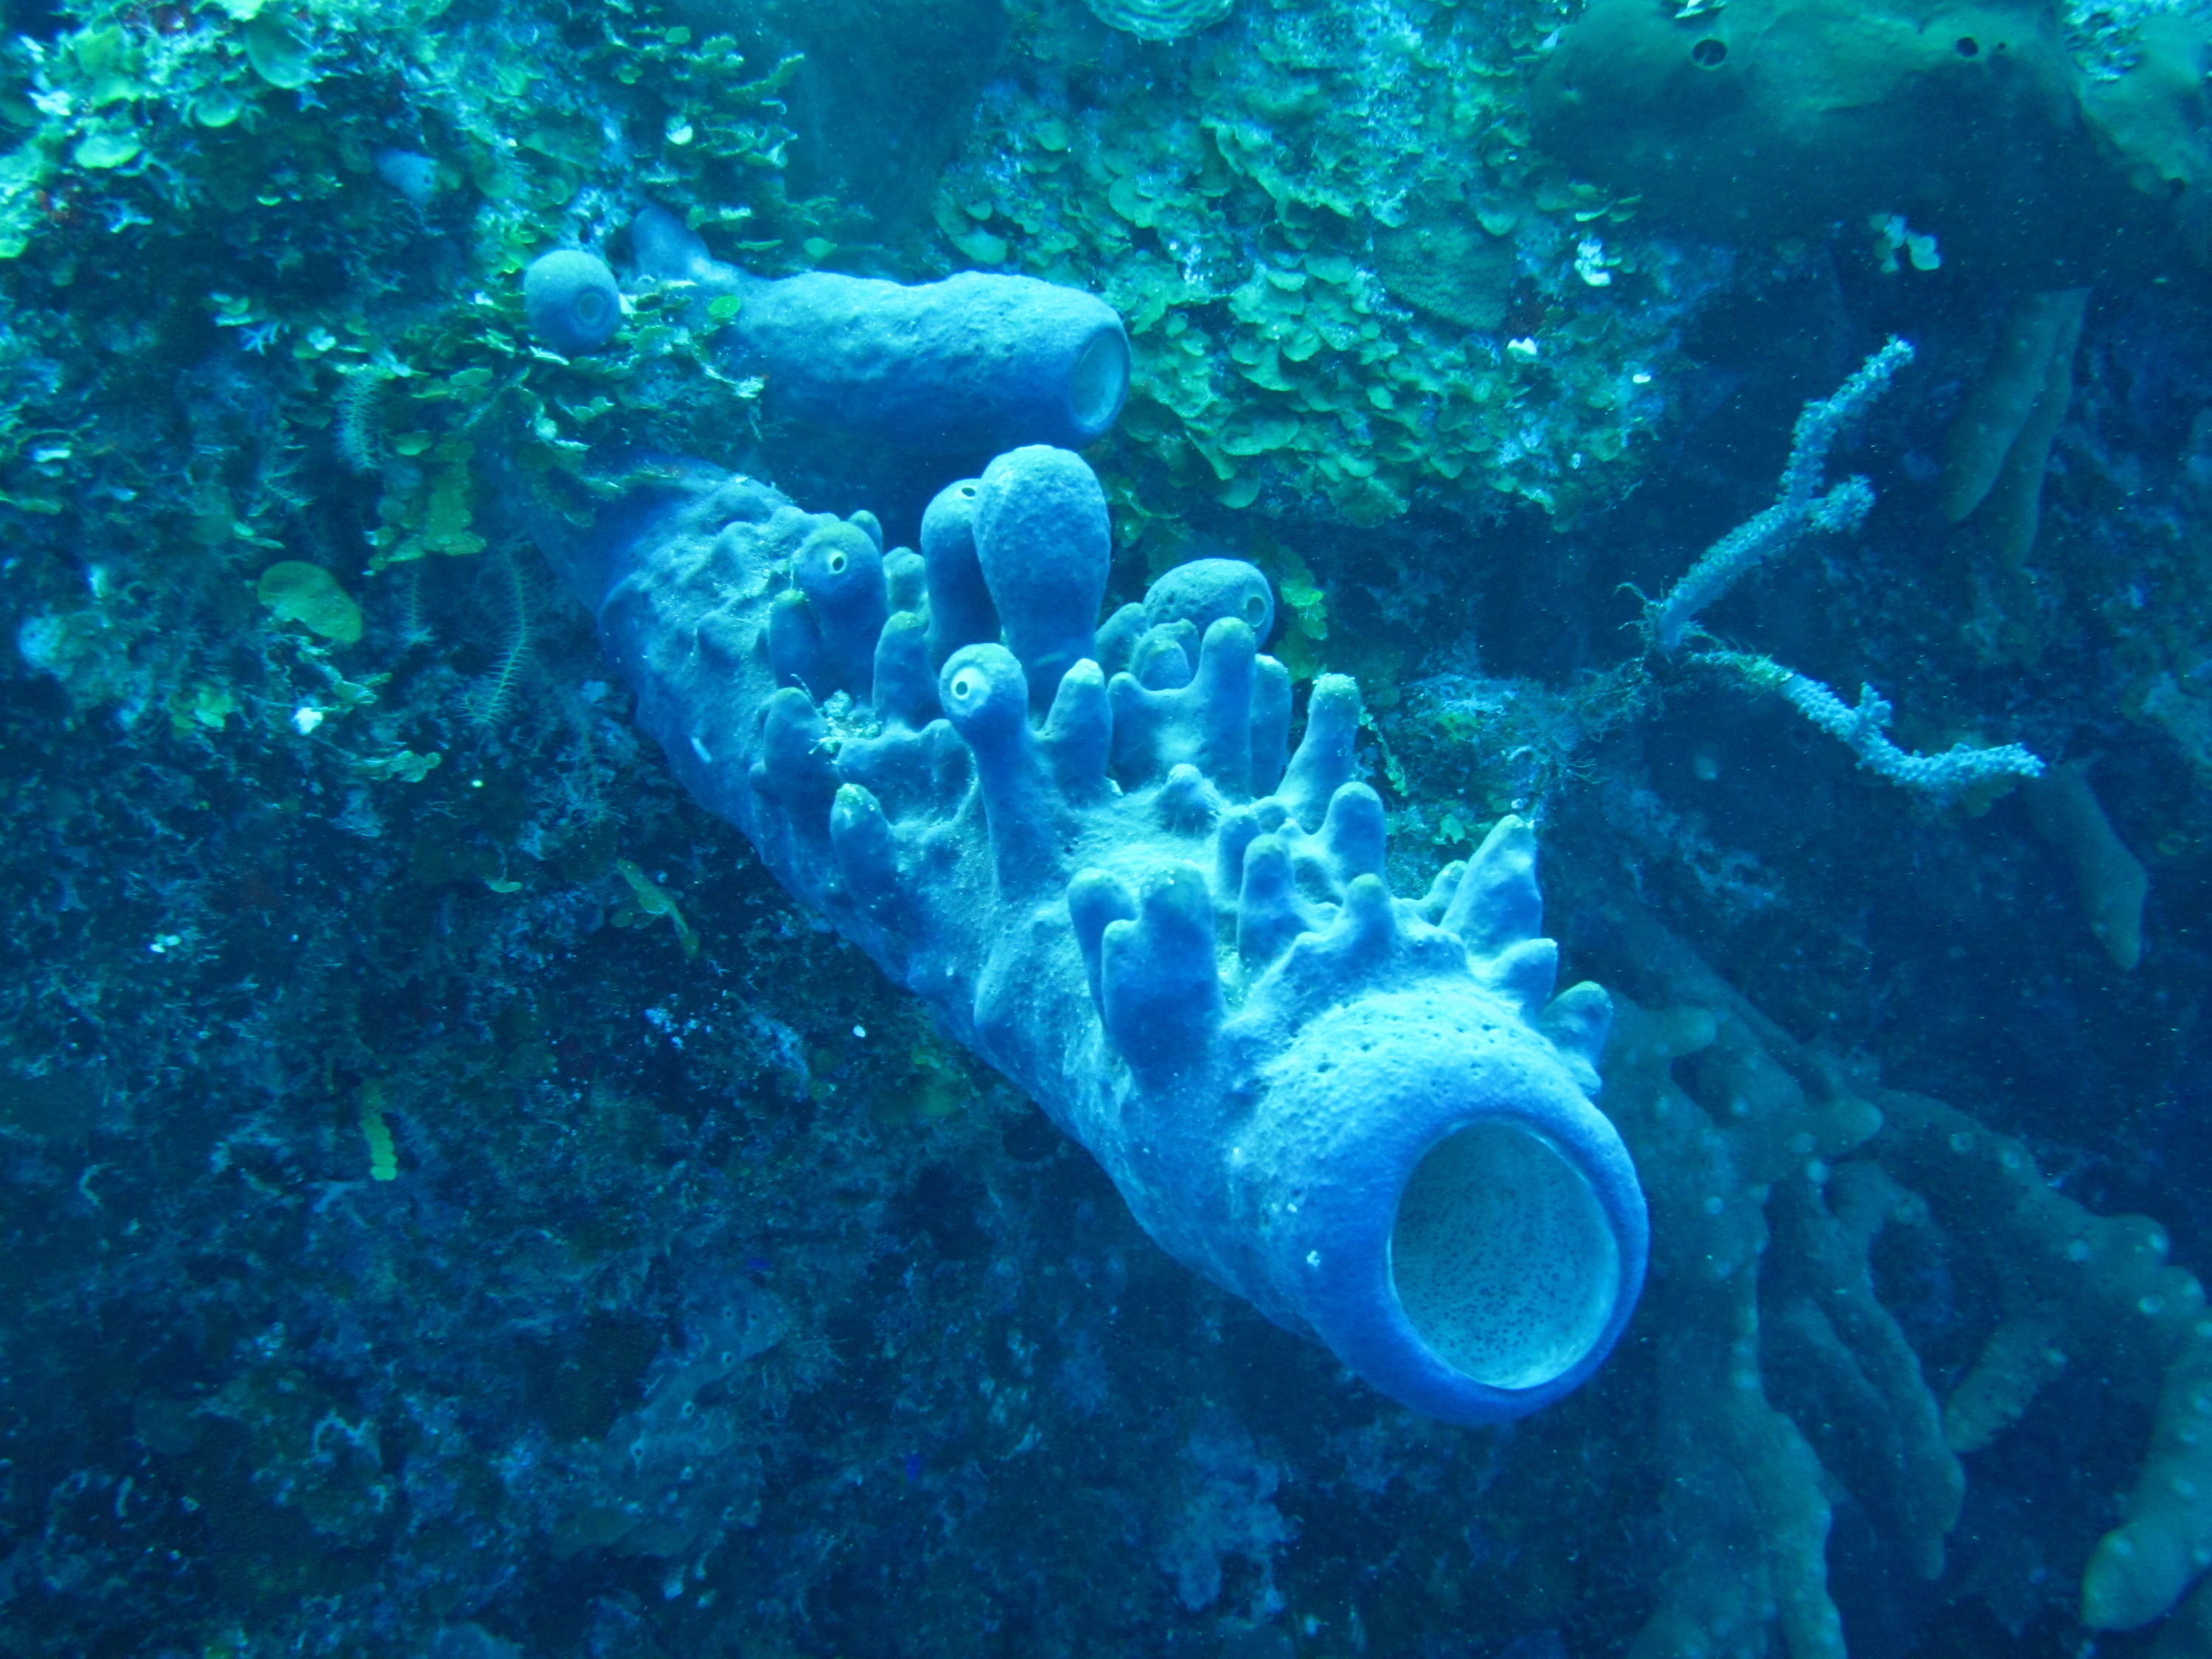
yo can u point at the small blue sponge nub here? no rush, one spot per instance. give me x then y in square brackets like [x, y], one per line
[1205, 590]
[571, 300]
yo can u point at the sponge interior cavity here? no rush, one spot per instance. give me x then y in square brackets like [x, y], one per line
[1099, 382]
[1501, 1256]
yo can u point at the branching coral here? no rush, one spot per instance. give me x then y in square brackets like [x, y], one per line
[1802, 508]
[1772, 1172]
[1865, 730]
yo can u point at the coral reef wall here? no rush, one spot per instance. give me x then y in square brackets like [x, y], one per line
[456, 1205]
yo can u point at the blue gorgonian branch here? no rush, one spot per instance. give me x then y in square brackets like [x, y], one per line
[1802, 508]
[1865, 732]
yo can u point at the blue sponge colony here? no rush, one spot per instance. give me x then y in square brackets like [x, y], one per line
[571, 300]
[1366, 1113]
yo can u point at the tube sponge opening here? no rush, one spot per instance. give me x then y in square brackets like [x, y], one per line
[1444, 1207]
[571, 300]
[1503, 1258]
[1098, 384]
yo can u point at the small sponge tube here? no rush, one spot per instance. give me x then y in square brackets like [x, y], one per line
[1442, 1206]
[570, 300]
[1044, 548]
[960, 608]
[1203, 591]
[970, 366]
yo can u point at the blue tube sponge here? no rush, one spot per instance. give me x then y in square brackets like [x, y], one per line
[570, 300]
[1205, 590]
[963, 366]
[1044, 547]
[1368, 1115]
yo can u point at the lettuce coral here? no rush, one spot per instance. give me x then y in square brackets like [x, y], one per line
[1324, 233]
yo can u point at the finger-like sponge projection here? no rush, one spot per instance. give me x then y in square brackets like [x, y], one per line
[1368, 1115]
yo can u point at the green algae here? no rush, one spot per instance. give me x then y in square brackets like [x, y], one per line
[1323, 245]
[295, 590]
[125, 142]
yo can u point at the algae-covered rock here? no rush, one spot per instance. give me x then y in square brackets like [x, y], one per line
[1782, 115]
[881, 90]
[1775, 118]
[1448, 265]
